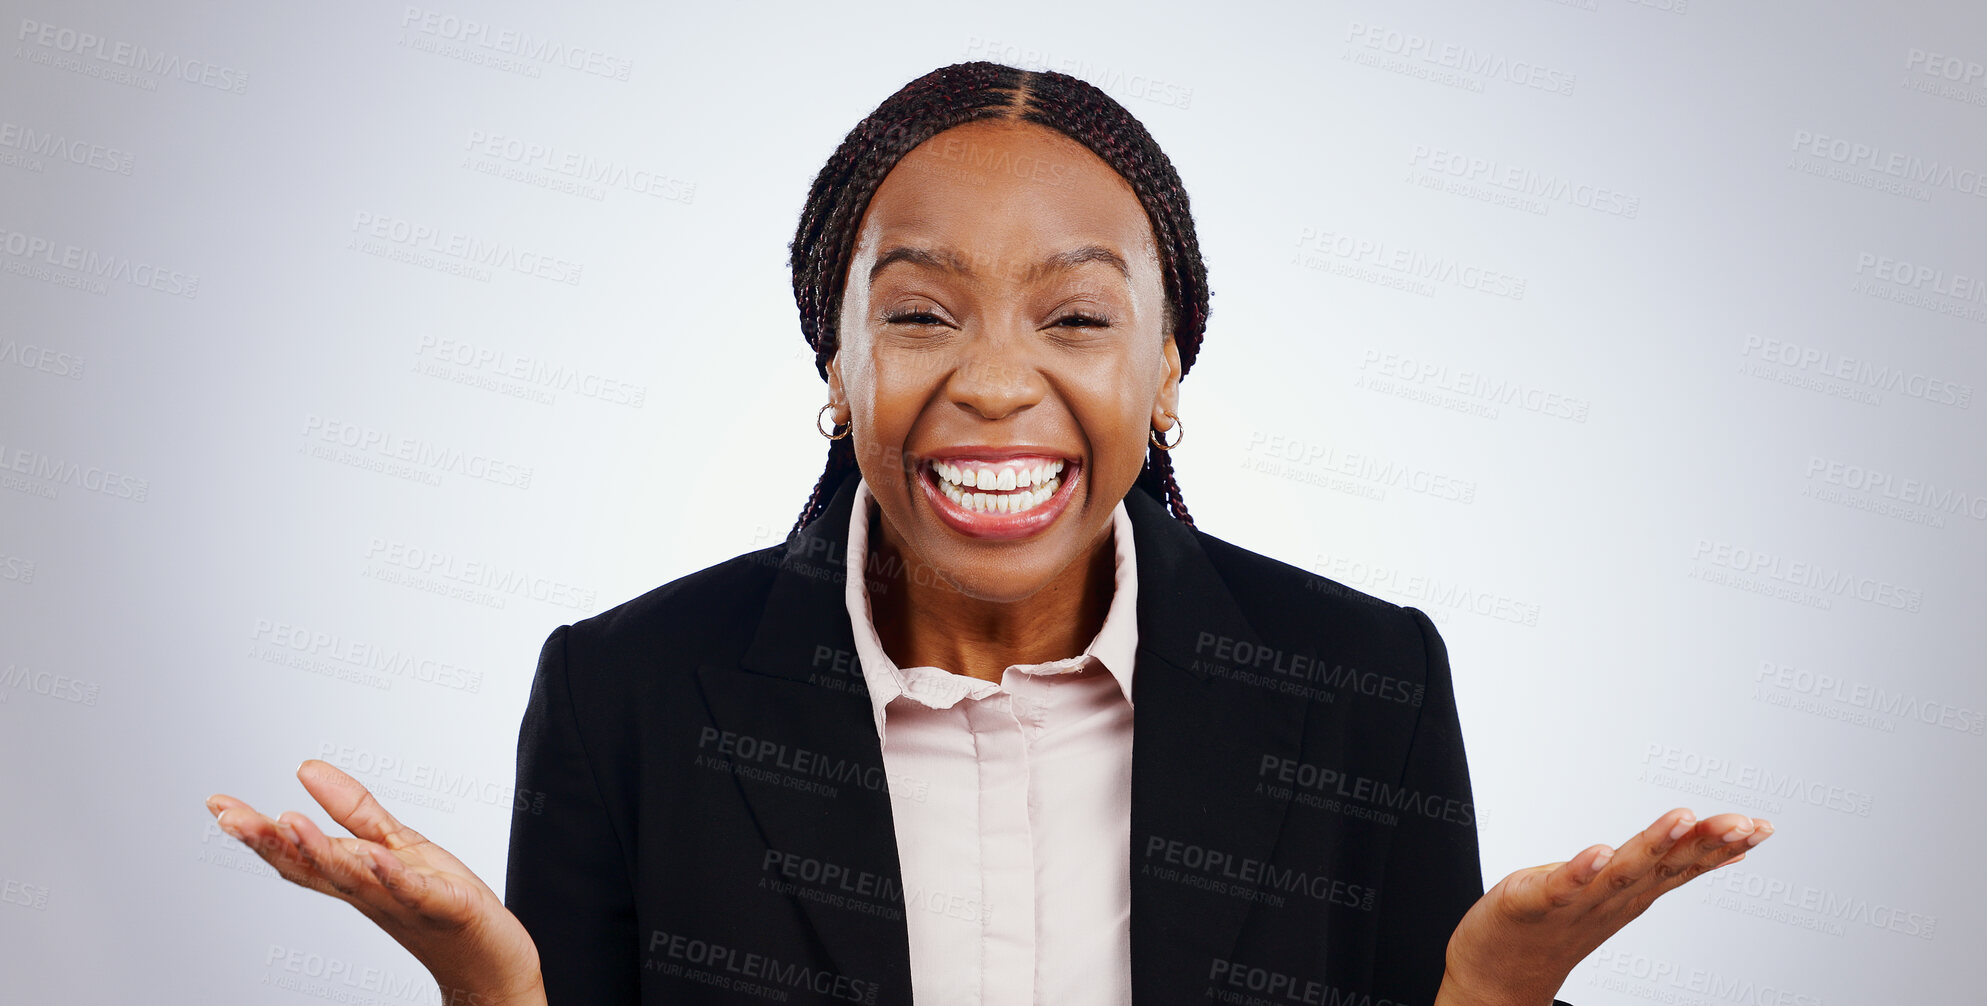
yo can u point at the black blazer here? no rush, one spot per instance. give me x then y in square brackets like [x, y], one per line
[703, 815]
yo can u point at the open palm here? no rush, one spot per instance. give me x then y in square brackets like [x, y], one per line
[1518, 943]
[408, 886]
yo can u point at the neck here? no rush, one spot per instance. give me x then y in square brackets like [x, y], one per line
[923, 621]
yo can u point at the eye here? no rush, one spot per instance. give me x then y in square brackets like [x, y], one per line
[1081, 320]
[914, 318]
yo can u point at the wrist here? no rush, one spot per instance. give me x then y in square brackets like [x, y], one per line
[517, 991]
[1481, 990]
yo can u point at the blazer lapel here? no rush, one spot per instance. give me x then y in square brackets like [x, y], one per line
[803, 689]
[1197, 740]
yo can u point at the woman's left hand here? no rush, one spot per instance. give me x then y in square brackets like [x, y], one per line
[1517, 945]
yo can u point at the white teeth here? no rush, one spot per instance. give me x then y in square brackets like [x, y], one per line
[1015, 502]
[1000, 479]
[1012, 490]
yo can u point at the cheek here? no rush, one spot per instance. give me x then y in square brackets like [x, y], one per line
[884, 417]
[1116, 432]
[890, 402]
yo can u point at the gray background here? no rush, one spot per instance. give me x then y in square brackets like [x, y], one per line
[346, 350]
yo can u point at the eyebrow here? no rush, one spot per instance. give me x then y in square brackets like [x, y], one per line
[953, 262]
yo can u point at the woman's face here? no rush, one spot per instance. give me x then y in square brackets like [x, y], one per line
[1003, 326]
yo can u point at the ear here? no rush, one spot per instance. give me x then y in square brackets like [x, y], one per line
[1168, 399]
[837, 396]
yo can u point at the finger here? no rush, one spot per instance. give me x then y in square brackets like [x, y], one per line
[1716, 841]
[340, 866]
[352, 805]
[1570, 880]
[1640, 856]
[1536, 892]
[221, 803]
[275, 842]
[244, 824]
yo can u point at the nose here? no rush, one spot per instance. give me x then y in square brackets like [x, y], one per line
[996, 375]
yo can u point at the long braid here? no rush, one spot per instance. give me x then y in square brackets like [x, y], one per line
[841, 461]
[952, 96]
[1174, 500]
[1157, 480]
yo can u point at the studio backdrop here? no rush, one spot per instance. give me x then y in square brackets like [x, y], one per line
[348, 349]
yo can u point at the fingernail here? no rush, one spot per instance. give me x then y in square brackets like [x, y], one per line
[1601, 861]
[221, 821]
[289, 834]
[1683, 827]
[1765, 829]
[1737, 833]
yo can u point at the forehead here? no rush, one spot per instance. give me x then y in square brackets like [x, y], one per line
[1005, 192]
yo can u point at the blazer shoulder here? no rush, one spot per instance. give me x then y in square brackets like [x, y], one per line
[1285, 601]
[1244, 569]
[701, 616]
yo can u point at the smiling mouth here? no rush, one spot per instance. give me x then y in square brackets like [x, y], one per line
[1006, 486]
[999, 493]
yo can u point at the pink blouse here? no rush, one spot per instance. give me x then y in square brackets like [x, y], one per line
[1012, 805]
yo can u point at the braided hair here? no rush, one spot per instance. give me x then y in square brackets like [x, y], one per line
[972, 92]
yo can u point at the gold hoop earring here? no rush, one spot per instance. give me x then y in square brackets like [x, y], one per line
[825, 433]
[1164, 446]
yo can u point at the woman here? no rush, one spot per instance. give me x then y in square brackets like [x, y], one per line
[893, 757]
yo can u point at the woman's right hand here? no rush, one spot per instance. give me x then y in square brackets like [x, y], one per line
[423, 897]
